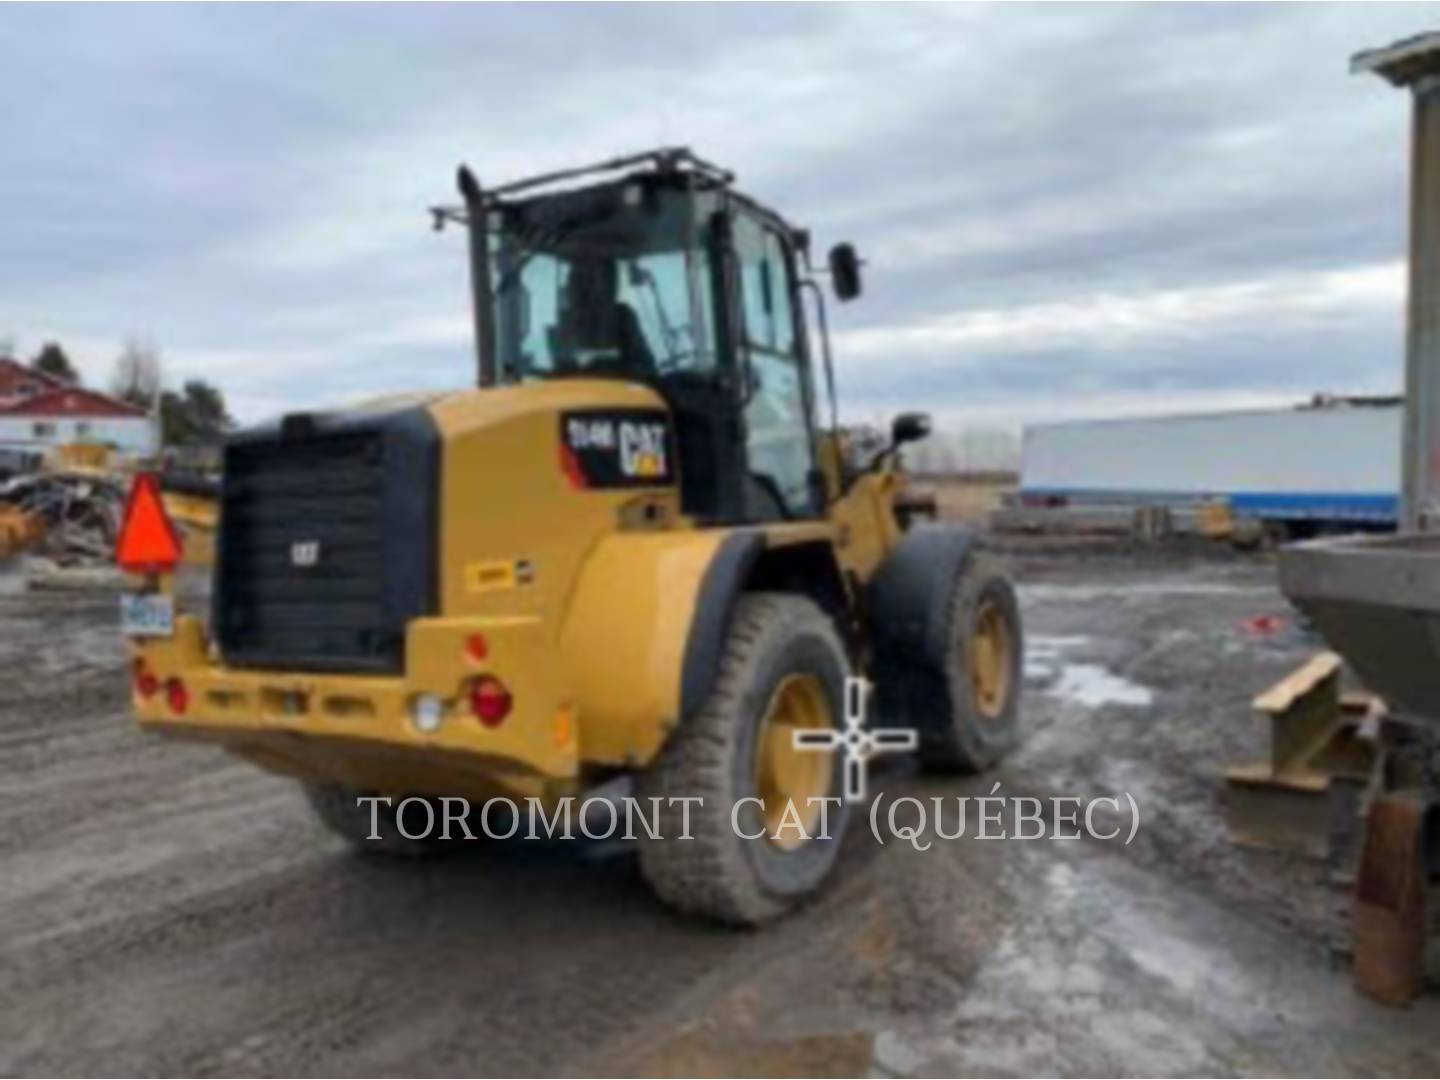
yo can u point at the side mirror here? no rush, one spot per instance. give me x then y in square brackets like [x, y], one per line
[845, 271]
[909, 427]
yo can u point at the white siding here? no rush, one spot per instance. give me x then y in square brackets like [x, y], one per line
[132, 434]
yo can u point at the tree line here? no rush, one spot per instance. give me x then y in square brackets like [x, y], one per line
[194, 414]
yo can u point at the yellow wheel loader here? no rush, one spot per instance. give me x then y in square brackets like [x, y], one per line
[634, 552]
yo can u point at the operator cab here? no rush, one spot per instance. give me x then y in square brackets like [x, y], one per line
[663, 274]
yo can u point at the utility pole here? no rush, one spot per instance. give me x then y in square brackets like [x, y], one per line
[1415, 64]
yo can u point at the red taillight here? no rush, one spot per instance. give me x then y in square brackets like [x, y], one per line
[148, 543]
[177, 696]
[476, 647]
[490, 701]
[145, 682]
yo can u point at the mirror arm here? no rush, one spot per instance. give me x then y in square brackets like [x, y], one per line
[850, 476]
[888, 454]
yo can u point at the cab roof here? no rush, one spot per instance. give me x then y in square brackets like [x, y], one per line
[676, 165]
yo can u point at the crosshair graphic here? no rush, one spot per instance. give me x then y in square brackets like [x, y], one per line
[859, 743]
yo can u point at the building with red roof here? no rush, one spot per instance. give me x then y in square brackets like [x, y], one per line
[18, 382]
[39, 411]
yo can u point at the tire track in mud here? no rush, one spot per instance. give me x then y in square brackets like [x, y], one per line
[169, 910]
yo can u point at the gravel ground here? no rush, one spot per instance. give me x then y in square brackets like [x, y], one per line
[164, 909]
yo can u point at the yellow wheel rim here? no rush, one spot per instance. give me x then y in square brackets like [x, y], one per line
[991, 652]
[786, 776]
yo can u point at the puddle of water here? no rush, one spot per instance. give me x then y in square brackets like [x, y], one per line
[12, 582]
[1083, 983]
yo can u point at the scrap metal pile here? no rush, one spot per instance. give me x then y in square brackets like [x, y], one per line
[70, 518]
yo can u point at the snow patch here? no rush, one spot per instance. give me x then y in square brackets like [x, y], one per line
[1042, 653]
[1093, 686]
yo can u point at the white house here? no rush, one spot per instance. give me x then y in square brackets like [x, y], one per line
[38, 411]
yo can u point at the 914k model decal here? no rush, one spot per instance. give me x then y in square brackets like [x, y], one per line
[617, 448]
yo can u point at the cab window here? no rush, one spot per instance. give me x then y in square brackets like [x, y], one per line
[765, 292]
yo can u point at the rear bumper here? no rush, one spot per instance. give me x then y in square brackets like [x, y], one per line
[358, 731]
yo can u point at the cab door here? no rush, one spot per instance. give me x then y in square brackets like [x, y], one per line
[776, 413]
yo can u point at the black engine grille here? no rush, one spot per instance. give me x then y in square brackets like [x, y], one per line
[327, 544]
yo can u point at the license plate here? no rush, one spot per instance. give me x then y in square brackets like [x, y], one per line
[151, 615]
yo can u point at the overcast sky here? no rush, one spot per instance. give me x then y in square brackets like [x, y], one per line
[1066, 210]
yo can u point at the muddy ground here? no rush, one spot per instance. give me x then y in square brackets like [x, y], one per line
[166, 910]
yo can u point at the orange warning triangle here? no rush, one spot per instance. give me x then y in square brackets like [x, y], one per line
[148, 543]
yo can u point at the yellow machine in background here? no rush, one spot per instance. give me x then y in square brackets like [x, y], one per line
[634, 551]
[84, 456]
[197, 514]
[19, 530]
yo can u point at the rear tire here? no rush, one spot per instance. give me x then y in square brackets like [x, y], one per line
[783, 668]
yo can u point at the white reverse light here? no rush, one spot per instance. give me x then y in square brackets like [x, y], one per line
[427, 713]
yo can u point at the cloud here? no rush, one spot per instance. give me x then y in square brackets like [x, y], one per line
[1130, 321]
[1068, 207]
[1261, 342]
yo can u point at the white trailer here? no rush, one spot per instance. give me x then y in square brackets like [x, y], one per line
[1336, 461]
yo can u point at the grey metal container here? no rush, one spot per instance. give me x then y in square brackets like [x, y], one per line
[1376, 600]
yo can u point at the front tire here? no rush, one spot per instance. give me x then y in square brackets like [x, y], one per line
[783, 669]
[969, 712]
